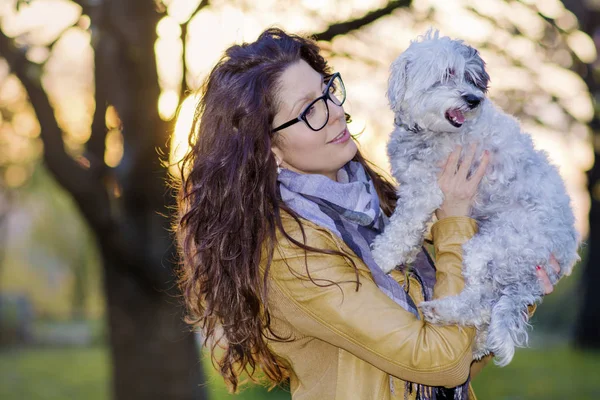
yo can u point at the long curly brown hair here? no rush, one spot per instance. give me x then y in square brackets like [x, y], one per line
[229, 205]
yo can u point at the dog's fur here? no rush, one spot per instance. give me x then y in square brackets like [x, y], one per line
[522, 208]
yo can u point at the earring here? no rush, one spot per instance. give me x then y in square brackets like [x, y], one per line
[278, 165]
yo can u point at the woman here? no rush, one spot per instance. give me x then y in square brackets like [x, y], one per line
[277, 212]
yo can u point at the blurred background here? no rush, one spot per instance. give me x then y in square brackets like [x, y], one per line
[96, 97]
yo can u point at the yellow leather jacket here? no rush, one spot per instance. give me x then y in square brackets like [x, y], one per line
[358, 344]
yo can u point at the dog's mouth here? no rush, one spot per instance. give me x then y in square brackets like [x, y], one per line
[455, 117]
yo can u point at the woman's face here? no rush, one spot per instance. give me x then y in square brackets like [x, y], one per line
[298, 147]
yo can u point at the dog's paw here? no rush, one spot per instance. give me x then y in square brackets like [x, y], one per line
[429, 312]
[478, 354]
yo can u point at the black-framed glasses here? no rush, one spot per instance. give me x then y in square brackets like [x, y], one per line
[316, 114]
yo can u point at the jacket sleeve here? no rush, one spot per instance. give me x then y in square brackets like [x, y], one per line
[366, 322]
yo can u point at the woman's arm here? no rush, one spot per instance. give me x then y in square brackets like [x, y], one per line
[449, 234]
[366, 322]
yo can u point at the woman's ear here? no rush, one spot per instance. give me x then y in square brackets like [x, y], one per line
[278, 159]
[278, 154]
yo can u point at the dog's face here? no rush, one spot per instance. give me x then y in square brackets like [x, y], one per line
[437, 84]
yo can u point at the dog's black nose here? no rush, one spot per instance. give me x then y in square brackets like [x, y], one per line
[472, 100]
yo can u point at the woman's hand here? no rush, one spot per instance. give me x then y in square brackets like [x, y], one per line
[543, 276]
[544, 281]
[459, 191]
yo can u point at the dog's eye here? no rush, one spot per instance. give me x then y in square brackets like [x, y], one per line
[481, 85]
[469, 79]
[451, 72]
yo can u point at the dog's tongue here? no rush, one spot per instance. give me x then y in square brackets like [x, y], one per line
[457, 115]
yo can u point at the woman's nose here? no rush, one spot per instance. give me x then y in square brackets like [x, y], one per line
[335, 112]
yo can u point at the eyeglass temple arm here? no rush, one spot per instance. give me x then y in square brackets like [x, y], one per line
[289, 123]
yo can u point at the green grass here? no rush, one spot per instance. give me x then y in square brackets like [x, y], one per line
[83, 373]
[54, 373]
[534, 374]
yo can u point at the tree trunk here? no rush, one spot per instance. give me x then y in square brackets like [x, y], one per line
[153, 352]
[154, 355]
[587, 331]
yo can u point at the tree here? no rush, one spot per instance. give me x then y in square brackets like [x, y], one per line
[587, 332]
[128, 206]
[153, 352]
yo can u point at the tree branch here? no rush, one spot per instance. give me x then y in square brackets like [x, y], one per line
[203, 3]
[6, 203]
[183, 91]
[88, 6]
[184, 30]
[343, 28]
[87, 188]
[66, 170]
[96, 145]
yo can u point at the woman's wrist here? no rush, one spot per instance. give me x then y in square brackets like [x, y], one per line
[447, 227]
[457, 211]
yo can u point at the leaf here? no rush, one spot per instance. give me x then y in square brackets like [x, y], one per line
[20, 3]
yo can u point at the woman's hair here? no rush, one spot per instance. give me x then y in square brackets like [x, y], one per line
[230, 207]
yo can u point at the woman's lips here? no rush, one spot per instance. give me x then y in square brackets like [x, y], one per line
[341, 138]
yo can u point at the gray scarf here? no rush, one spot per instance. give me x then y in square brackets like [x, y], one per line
[350, 208]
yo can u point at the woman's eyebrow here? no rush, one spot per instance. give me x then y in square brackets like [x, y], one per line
[305, 98]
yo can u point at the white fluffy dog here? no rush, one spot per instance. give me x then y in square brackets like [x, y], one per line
[437, 90]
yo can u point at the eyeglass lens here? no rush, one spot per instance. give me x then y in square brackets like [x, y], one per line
[317, 114]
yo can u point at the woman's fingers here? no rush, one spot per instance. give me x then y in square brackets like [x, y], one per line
[545, 281]
[459, 171]
[554, 264]
[452, 163]
[465, 165]
[543, 276]
[459, 192]
[479, 173]
[449, 169]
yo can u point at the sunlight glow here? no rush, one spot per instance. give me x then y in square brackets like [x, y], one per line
[567, 21]
[38, 54]
[114, 148]
[181, 10]
[526, 20]
[169, 62]
[522, 49]
[549, 8]
[26, 124]
[560, 153]
[528, 60]
[583, 46]
[112, 117]
[68, 78]
[15, 175]
[469, 24]
[167, 104]
[84, 22]
[168, 28]
[579, 106]
[12, 90]
[179, 139]
[42, 20]
[560, 82]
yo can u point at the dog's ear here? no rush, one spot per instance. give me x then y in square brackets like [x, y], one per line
[397, 82]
